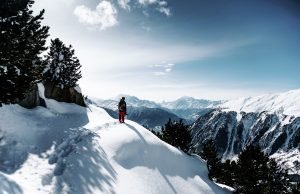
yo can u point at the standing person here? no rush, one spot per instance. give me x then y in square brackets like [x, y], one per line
[122, 109]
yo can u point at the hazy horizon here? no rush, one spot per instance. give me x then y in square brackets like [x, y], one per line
[116, 97]
[163, 50]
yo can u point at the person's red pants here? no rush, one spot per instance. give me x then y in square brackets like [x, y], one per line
[121, 117]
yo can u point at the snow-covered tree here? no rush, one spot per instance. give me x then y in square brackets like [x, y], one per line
[22, 40]
[63, 68]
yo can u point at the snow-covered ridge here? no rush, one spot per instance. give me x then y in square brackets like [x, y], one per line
[68, 149]
[287, 103]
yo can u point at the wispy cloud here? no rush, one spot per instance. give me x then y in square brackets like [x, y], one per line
[105, 15]
[177, 86]
[147, 2]
[161, 6]
[162, 3]
[165, 10]
[162, 69]
[126, 53]
[124, 4]
[145, 27]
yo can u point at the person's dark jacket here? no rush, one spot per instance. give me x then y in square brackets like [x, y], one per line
[122, 106]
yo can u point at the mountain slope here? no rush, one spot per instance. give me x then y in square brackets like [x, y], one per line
[276, 134]
[287, 103]
[70, 149]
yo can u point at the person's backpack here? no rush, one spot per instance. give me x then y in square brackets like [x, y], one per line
[122, 107]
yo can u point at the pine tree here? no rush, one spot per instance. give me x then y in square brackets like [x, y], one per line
[22, 40]
[252, 171]
[177, 134]
[227, 173]
[296, 188]
[257, 173]
[157, 133]
[63, 68]
[209, 153]
[278, 178]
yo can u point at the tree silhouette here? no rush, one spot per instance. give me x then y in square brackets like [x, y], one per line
[177, 134]
[22, 40]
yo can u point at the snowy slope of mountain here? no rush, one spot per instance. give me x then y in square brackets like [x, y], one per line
[71, 149]
[271, 121]
[287, 103]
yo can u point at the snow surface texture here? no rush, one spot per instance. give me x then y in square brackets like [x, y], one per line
[287, 103]
[70, 149]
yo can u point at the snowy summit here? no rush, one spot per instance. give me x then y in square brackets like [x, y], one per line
[287, 103]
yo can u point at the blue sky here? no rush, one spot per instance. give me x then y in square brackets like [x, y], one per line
[165, 49]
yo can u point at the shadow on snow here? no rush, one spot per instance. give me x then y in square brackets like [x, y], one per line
[158, 156]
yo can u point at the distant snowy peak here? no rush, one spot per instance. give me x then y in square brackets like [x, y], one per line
[130, 101]
[190, 103]
[183, 103]
[136, 102]
[110, 104]
[287, 103]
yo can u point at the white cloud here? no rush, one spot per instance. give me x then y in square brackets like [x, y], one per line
[164, 69]
[168, 69]
[165, 10]
[105, 15]
[161, 6]
[124, 4]
[147, 2]
[162, 3]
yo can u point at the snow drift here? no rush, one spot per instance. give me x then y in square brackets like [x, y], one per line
[70, 149]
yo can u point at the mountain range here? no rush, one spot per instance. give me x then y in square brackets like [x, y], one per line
[155, 115]
[271, 121]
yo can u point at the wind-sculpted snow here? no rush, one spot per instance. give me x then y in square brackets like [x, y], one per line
[67, 149]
